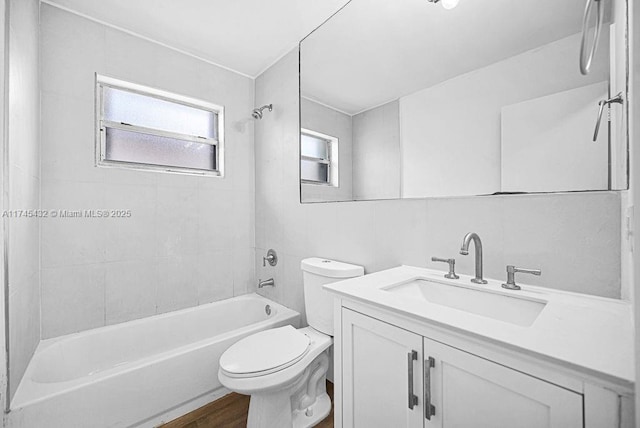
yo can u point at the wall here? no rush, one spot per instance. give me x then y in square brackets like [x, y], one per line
[190, 239]
[573, 238]
[562, 124]
[23, 152]
[4, 223]
[634, 191]
[460, 118]
[319, 118]
[376, 153]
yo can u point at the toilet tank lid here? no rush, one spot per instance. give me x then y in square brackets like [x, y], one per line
[331, 268]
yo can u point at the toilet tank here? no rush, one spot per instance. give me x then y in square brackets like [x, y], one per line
[319, 303]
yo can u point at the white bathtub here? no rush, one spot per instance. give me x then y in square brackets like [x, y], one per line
[141, 372]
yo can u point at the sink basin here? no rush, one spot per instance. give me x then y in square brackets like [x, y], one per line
[516, 310]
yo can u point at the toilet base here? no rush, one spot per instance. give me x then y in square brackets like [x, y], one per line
[317, 412]
[270, 410]
[301, 404]
[274, 411]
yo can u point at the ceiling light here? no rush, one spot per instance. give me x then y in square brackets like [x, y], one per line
[447, 4]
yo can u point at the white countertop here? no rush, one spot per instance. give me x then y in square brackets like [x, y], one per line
[586, 332]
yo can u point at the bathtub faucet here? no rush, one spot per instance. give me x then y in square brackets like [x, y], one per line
[266, 283]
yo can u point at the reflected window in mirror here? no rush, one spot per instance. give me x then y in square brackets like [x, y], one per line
[318, 155]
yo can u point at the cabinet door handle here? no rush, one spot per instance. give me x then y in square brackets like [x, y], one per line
[411, 357]
[429, 409]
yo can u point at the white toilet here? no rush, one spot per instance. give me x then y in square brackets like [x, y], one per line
[284, 369]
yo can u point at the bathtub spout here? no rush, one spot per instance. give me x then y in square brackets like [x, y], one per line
[266, 283]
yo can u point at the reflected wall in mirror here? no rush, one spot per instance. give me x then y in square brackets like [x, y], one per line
[420, 101]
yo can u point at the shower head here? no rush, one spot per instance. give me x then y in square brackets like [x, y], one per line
[257, 112]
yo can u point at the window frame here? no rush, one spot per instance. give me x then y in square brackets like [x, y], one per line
[101, 126]
[330, 160]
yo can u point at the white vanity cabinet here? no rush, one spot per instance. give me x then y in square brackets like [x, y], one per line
[388, 381]
[469, 391]
[381, 373]
[415, 350]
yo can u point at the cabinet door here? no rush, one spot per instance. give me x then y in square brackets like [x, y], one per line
[381, 374]
[468, 392]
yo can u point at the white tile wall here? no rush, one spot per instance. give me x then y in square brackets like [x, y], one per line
[24, 186]
[243, 278]
[213, 284]
[177, 288]
[573, 238]
[139, 235]
[130, 290]
[190, 239]
[71, 241]
[73, 298]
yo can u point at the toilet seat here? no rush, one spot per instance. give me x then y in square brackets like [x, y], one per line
[265, 352]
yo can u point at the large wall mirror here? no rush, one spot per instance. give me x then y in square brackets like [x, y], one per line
[410, 99]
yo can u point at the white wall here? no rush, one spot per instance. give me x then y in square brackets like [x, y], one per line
[190, 239]
[573, 238]
[23, 153]
[634, 191]
[4, 203]
[319, 118]
[376, 153]
[561, 124]
[451, 131]
[3, 206]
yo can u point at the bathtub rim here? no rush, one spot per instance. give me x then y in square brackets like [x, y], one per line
[28, 386]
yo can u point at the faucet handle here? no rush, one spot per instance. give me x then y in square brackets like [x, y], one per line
[452, 267]
[271, 258]
[511, 276]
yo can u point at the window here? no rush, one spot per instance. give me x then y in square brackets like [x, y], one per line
[145, 128]
[318, 158]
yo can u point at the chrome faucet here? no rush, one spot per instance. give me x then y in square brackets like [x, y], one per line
[464, 250]
[266, 283]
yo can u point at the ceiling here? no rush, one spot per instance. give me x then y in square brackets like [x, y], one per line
[246, 36]
[370, 53]
[375, 51]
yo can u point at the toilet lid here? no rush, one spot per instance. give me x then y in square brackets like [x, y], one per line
[265, 352]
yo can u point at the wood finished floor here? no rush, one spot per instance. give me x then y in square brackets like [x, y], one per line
[230, 412]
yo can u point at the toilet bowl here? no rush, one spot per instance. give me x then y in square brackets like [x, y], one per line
[286, 389]
[284, 369]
